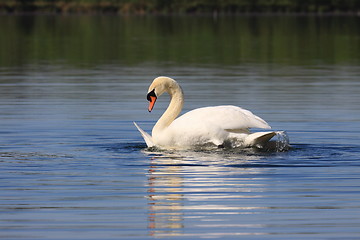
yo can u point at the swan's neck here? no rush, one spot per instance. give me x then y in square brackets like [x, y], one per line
[173, 110]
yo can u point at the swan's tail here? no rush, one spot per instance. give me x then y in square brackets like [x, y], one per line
[258, 139]
[146, 136]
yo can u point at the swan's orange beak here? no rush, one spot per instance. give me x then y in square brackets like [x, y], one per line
[151, 97]
[152, 102]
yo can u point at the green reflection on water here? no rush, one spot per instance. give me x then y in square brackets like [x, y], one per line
[92, 40]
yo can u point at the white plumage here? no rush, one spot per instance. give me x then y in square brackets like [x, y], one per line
[217, 125]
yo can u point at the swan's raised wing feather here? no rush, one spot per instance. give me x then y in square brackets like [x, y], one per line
[146, 136]
[226, 117]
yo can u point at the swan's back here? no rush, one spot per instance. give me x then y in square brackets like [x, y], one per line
[229, 118]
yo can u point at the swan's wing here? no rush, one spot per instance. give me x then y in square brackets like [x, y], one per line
[230, 118]
[258, 138]
[146, 136]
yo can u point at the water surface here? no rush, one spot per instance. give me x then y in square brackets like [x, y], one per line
[73, 166]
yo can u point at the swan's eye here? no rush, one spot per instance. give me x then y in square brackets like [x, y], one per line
[151, 94]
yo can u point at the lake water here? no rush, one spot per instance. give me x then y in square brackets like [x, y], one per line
[73, 166]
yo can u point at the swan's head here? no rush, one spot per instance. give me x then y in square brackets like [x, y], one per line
[158, 87]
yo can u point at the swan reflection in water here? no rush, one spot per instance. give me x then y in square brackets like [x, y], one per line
[165, 200]
[188, 188]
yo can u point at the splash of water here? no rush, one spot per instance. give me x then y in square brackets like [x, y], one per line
[282, 141]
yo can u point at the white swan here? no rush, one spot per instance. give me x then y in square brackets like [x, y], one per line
[220, 125]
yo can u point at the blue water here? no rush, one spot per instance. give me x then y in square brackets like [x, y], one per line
[73, 166]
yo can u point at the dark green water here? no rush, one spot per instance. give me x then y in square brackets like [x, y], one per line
[73, 166]
[94, 40]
